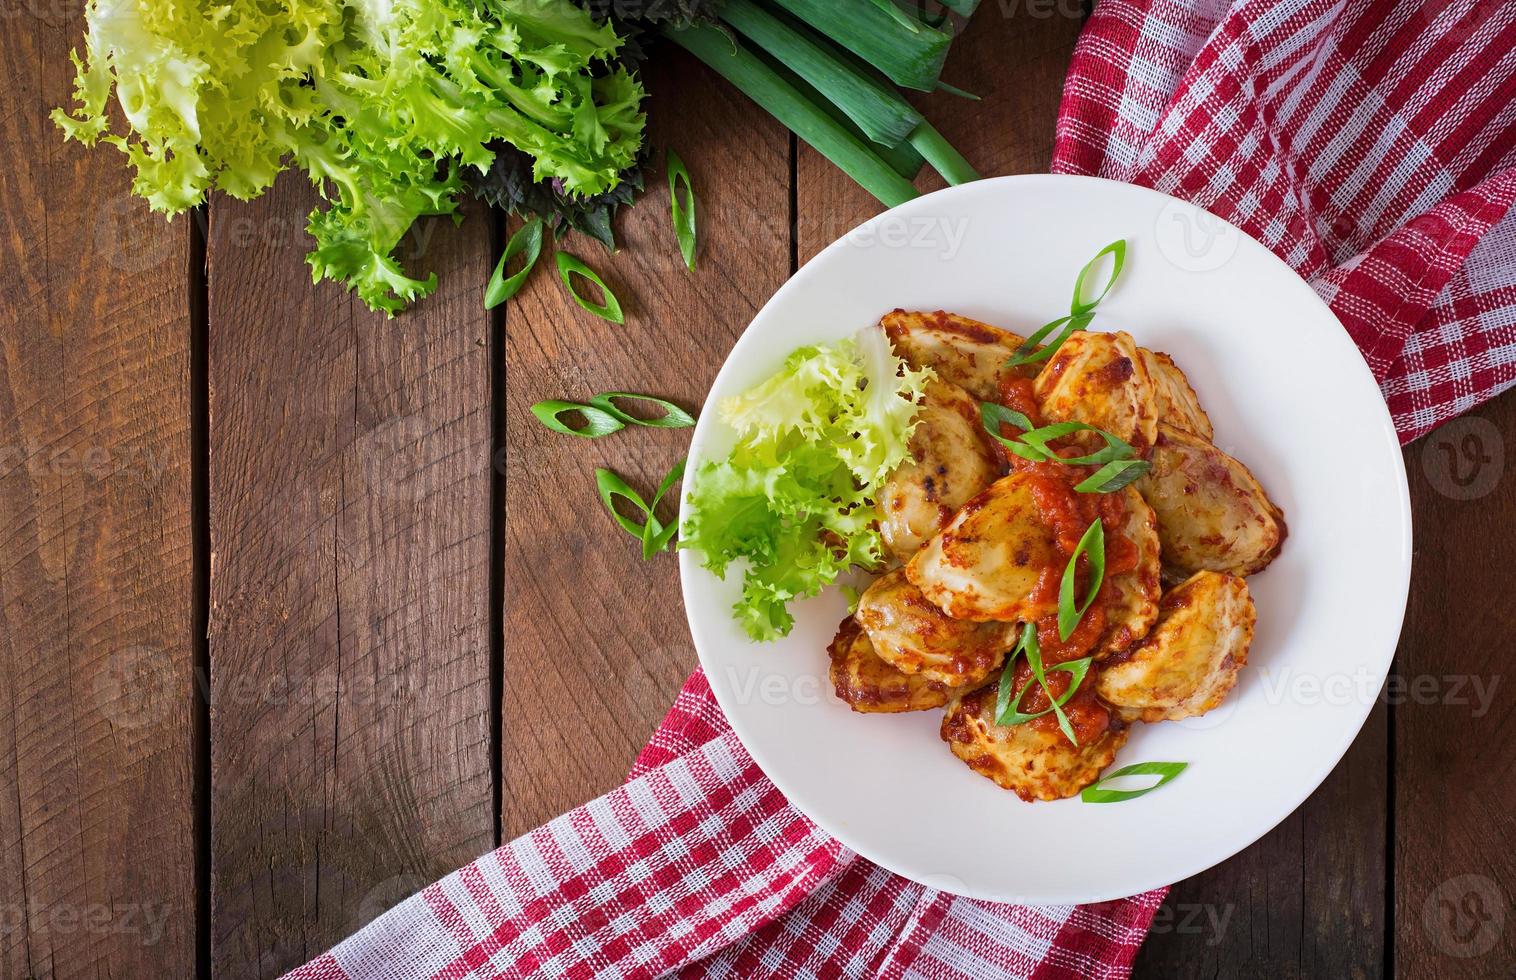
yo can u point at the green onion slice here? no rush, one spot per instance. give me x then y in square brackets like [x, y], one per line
[991, 415]
[528, 239]
[569, 266]
[654, 541]
[597, 421]
[673, 416]
[682, 212]
[1091, 544]
[1166, 771]
[1029, 353]
[653, 534]
[1113, 476]
[1115, 448]
[1008, 712]
[1117, 251]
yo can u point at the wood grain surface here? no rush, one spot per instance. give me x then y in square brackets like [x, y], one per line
[425, 633]
[595, 638]
[96, 748]
[350, 551]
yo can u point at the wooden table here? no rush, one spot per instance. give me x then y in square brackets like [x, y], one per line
[300, 609]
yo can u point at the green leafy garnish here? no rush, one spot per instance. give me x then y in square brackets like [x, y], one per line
[795, 496]
[1113, 476]
[653, 533]
[1081, 310]
[597, 422]
[673, 416]
[528, 239]
[1092, 544]
[1117, 250]
[1033, 444]
[682, 212]
[1008, 711]
[1166, 771]
[383, 106]
[570, 266]
[1030, 353]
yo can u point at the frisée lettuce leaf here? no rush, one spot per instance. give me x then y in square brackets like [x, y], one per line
[383, 103]
[795, 498]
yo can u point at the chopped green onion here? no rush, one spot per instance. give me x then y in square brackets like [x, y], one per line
[682, 213]
[879, 111]
[1029, 353]
[528, 239]
[1166, 771]
[992, 415]
[673, 416]
[597, 421]
[655, 537]
[912, 59]
[1115, 448]
[955, 90]
[653, 534]
[568, 267]
[1033, 443]
[1117, 250]
[1113, 476]
[1091, 544]
[785, 103]
[1008, 711]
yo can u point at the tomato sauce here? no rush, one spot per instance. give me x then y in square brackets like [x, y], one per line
[1069, 515]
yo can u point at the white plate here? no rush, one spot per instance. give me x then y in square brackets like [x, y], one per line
[1289, 395]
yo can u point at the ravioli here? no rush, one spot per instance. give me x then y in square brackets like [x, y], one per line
[869, 685]
[1212, 513]
[1176, 401]
[963, 352]
[1101, 379]
[985, 565]
[1131, 598]
[1190, 660]
[1033, 760]
[912, 635]
[950, 462]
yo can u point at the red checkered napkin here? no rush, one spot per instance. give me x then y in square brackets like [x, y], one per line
[700, 868]
[1371, 145]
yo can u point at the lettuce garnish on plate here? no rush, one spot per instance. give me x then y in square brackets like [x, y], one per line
[795, 498]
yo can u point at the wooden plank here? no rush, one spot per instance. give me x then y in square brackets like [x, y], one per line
[349, 622]
[96, 657]
[596, 643]
[1455, 783]
[1307, 900]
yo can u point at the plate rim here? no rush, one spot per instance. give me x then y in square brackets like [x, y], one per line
[689, 565]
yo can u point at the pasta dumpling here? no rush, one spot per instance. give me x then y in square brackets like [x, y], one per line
[1212, 514]
[1190, 660]
[961, 351]
[1101, 379]
[1033, 760]
[986, 564]
[912, 635]
[950, 462]
[1176, 401]
[869, 685]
